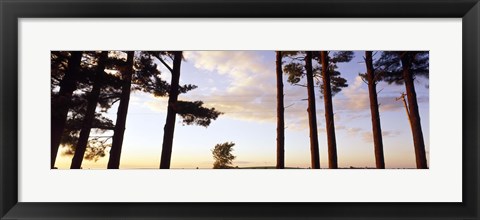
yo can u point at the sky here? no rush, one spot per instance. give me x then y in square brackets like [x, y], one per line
[242, 85]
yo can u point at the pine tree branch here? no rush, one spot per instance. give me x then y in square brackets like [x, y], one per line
[363, 79]
[380, 91]
[116, 100]
[163, 62]
[166, 65]
[296, 84]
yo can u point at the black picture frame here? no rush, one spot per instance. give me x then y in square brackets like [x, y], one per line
[12, 10]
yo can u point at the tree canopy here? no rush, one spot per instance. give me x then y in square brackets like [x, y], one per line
[222, 153]
[389, 65]
[295, 68]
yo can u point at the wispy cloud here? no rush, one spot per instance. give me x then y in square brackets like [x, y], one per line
[250, 92]
[357, 97]
[368, 135]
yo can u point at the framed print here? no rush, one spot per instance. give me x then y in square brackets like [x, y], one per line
[174, 110]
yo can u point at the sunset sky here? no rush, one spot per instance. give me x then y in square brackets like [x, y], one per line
[242, 85]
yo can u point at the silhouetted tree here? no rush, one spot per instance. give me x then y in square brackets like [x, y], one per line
[117, 140]
[371, 77]
[222, 153]
[332, 83]
[296, 71]
[402, 67]
[93, 98]
[192, 112]
[280, 114]
[312, 112]
[61, 104]
[171, 114]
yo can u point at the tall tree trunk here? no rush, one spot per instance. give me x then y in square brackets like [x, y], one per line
[421, 159]
[376, 128]
[280, 114]
[329, 121]
[90, 113]
[312, 115]
[171, 112]
[61, 105]
[119, 131]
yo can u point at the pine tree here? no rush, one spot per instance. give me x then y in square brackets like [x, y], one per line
[332, 83]
[297, 70]
[93, 99]
[280, 114]
[61, 102]
[402, 67]
[371, 77]
[191, 112]
[119, 131]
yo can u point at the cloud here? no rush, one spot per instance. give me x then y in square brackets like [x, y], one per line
[245, 68]
[353, 131]
[250, 92]
[357, 98]
[368, 135]
[158, 105]
[238, 63]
